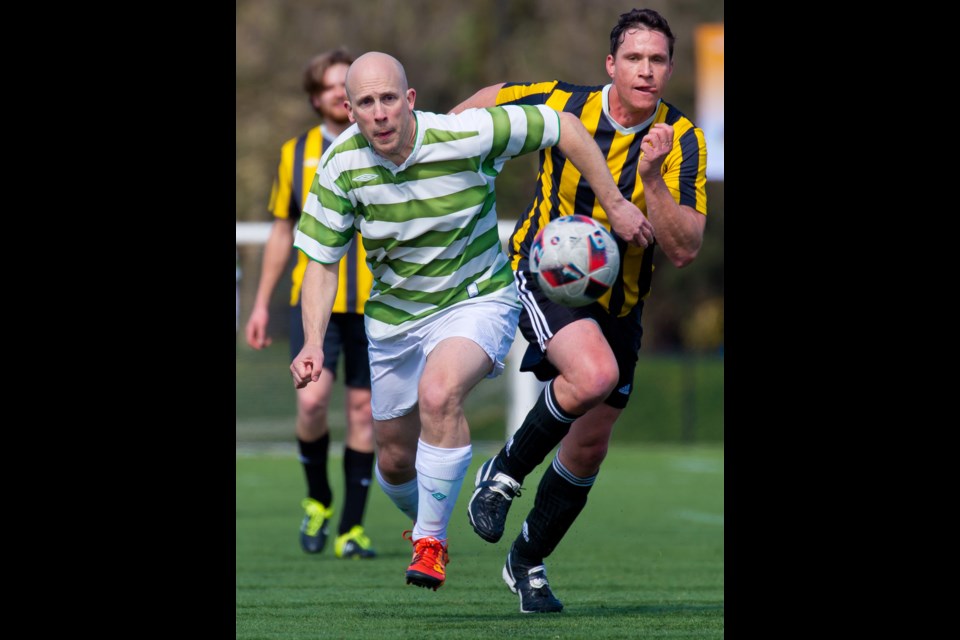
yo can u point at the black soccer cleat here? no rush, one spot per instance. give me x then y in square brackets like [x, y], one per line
[491, 501]
[530, 583]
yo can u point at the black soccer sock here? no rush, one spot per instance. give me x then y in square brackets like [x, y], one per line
[313, 457]
[357, 469]
[561, 497]
[544, 427]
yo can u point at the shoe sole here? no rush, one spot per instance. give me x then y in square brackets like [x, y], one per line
[509, 578]
[312, 544]
[481, 472]
[423, 580]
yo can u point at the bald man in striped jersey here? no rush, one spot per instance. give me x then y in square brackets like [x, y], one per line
[588, 354]
[443, 312]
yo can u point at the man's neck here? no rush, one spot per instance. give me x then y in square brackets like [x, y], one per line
[335, 128]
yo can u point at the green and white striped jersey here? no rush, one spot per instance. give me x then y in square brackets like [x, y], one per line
[429, 226]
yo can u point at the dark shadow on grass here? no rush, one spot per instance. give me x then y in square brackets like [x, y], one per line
[602, 612]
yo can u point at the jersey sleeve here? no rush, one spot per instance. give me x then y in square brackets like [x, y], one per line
[521, 129]
[525, 92]
[686, 168]
[326, 227]
[281, 193]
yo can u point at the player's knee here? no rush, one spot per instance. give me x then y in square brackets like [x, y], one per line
[436, 401]
[592, 384]
[583, 456]
[593, 456]
[396, 463]
[312, 410]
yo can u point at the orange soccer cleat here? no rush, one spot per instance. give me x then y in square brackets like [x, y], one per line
[430, 558]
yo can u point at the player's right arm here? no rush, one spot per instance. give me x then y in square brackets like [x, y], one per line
[276, 254]
[319, 290]
[578, 145]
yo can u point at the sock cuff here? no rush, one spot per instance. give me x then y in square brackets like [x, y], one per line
[554, 408]
[564, 473]
[387, 487]
[443, 464]
[349, 453]
[316, 451]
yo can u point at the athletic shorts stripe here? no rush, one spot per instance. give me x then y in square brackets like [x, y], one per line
[539, 322]
[541, 319]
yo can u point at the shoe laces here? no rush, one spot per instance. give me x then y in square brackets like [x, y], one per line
[357, 535]
[538, 581]
[513, 486]
[427, 549]
[317, 514]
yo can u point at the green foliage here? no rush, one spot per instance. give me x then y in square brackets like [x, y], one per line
[645, 559]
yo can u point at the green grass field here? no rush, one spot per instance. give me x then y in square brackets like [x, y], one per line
[645, 559]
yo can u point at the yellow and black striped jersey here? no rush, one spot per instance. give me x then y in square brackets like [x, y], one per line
[299, 158]
[561, 190]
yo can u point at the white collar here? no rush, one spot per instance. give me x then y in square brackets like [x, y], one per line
[329, 137]
[411, 159]
[619, 127]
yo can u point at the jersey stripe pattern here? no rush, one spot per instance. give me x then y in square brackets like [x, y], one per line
[562, 191]
[429, 226]
[299, 158]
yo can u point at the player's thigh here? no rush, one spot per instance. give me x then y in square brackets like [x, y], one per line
[395, 367]
[581, 346]
[453, 368]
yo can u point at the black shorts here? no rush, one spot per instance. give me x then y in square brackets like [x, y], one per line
[345, 334]
[541, 318]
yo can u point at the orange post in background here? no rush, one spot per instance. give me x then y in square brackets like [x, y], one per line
[709, 45]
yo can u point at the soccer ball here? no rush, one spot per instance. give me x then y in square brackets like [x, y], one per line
[575, 260]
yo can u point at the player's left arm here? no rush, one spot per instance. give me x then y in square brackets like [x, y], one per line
[678, 228]
[486, 97]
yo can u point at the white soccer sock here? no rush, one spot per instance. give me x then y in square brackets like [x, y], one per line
[440, 473]
[403, 495]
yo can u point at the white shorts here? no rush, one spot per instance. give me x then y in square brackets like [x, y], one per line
[396, 363]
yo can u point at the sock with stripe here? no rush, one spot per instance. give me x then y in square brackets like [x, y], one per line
[544, 427]
[561, 497]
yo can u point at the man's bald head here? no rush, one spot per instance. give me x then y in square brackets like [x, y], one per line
[381, 66]
[381, 103]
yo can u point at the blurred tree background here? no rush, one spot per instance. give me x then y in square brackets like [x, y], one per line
[449, 51]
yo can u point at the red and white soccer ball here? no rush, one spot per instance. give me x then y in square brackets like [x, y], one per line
[575, 260]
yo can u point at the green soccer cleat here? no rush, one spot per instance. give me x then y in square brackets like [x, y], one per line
[354, 544]
[313, 529]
